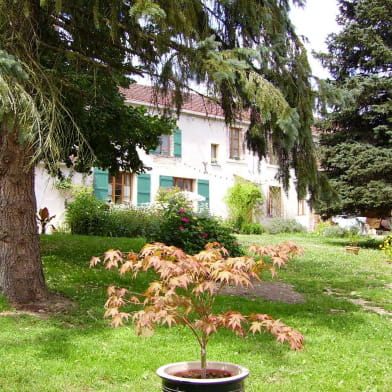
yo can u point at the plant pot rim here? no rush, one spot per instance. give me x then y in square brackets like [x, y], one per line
[165, 372]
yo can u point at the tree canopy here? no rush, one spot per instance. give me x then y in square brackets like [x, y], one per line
[357, 124]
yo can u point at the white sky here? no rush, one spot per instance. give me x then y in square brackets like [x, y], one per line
[316, 21]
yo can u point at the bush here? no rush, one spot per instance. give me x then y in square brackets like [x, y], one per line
[278, 225]
[190, 231]
[131, 221]
[88, 215]
[251, 228]
[335, 231]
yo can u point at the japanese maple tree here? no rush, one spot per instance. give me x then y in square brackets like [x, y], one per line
[187, 286]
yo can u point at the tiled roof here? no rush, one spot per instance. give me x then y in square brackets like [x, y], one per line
[193, 102]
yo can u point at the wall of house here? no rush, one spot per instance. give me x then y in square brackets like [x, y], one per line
[49, 195]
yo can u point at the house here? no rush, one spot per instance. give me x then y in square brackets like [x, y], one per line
[202, 156]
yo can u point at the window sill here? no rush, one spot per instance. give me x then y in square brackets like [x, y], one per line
[164, 156]
[231, 160]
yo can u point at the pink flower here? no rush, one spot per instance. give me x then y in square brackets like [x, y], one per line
[182, 228]
[186, 220]
[181, 210]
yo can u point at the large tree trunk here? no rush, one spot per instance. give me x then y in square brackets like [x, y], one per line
[21, 274]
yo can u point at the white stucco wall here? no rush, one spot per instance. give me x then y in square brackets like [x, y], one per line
[47, 195]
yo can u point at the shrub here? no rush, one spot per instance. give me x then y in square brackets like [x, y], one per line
[131, 221]
[86, 214]
[190, 231]
[278, 225]
[335, 231]
[252, 228]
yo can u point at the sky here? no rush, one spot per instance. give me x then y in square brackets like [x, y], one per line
[316, 21]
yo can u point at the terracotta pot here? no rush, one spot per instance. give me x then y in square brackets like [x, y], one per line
[171, 383]
[352, 249]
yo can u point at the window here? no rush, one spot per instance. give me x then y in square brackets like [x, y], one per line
[164, 145]
[274, 205]
[214, 153]
[120, 188]
[301, 207]
[185, 184]
[235, 143]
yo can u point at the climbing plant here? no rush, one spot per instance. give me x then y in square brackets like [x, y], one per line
[242, 200]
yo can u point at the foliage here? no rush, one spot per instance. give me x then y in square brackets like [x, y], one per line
[133, 222]
[356, 121]
[44, 218]
[277, 225]
[242, 199]
[165, 196]
[361, 174]
[321, 226]
[182, 227]
[386, 247]
[187, 287]
[353, 238]
[335, 231]
[85, 214]
[88, 215]
[251, 228]
[76, 73]
[172, 221]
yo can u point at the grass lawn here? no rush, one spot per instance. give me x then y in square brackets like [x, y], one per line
[348, 348]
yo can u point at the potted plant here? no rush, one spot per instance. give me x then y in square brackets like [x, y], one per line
[184, 294]
[353, 245]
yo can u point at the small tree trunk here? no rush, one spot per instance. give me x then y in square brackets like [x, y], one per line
[203, 359]
[21, 274]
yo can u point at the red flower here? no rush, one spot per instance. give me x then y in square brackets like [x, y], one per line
[186, 220]
[204, 235]
[182, 228]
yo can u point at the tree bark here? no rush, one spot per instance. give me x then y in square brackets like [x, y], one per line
[21, 274]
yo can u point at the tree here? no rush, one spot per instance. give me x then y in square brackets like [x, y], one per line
[62, 64]
[357, 126]
[361, 172]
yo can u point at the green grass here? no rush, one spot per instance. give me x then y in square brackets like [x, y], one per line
[348, 349]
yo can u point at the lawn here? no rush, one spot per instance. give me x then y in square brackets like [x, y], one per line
[348, 347]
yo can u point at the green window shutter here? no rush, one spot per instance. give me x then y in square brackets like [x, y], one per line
[101, 184]
[203, 189]
[165, 181]
[143, 188]
[177, 143]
